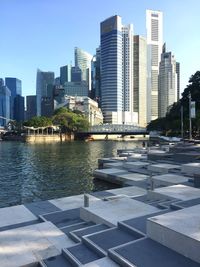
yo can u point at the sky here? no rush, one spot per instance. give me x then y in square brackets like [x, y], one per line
[43, 33]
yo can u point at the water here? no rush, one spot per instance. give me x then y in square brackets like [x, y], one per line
[33, 172]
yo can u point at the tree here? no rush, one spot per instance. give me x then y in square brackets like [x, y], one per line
[38, 122]
[69, 121]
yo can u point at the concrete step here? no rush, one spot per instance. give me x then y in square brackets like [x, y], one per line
[57, 261]
[101, 242]
[146, 252]
[76, 226]
[80, 254]
[63, 218]
[78, 234]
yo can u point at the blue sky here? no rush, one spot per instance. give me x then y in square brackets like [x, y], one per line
[43, 33]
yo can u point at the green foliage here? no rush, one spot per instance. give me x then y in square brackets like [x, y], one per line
[69, 121]
[38, 122]
[172, 121]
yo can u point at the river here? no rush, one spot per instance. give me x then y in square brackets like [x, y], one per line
[33, 172]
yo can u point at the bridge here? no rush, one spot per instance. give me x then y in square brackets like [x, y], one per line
[117, 129]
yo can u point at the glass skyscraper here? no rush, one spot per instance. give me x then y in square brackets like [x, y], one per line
[5, 95]
[15, 87]
[44, 82]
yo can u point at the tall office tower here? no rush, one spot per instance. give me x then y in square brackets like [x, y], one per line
[65, 74]
[140, 79]
[154, 25]
[96, 77]
[83, 61]
[117, 71]
[167, 93]
[127, 74]
[44, 83]
[178, 79]
[31, 110]
[19, 108]
[15, 87]
[5, 96]
[76, 74]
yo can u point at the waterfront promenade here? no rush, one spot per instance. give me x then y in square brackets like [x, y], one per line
[152, 220]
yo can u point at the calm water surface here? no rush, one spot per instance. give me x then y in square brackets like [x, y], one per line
[31, 172]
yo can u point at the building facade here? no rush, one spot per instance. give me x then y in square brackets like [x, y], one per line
[167, 83]
[44, 83]
[76, 88]
[140, 79]
[15, 87]
[5, 96]
[83, 61]
[19, 108]
[31, 110]
[154, 26]
[65, 74]
[117, 72]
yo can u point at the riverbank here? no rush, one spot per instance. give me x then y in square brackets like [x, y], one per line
[118, 227]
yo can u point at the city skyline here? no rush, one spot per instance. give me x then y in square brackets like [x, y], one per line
[31, 43]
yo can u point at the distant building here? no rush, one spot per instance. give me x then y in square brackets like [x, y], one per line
[167, 82]
[47, 106]
[57, 81]
[178, 79]
[5, 96]
[31, 110]
[44, 87]
[76, 88]
[140, 79]
[96, 77]
[76, 74]
[19, 108]
[15, 87]
[83, 61]
[86, 105]
[154, 25]
[65, 74]
[117, 72]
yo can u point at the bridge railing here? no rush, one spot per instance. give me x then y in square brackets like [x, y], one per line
[116, 128]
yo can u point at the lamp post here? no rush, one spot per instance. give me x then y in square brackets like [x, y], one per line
[190, 119]
[182, 121]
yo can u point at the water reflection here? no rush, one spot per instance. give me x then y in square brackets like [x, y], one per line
[38, 172]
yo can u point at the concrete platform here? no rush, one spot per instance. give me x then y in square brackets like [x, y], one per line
[169, 179]
[118, 165]
[135, 165]
[163, 167]
[67, 203]
[129, 191]
[104, 262]
[15, 215]
[27, 245]
[181, 192]
[178, 230]
[103, 173]
[113, 211]
[191, 168]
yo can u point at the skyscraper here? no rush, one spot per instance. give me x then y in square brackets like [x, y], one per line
[167, 83]
[65, 74]
[154, 25]
[111, 69]
[96, 77]
[15, 87]
[83, 61]
[5, 95]
[140, 79]
[31, 110]
[44, 83]
[117, 71]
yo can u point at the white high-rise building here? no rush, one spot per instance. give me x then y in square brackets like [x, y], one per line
[167, 93]
[140, 79]
[83, 61]
[154, 25]
[117, 71]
